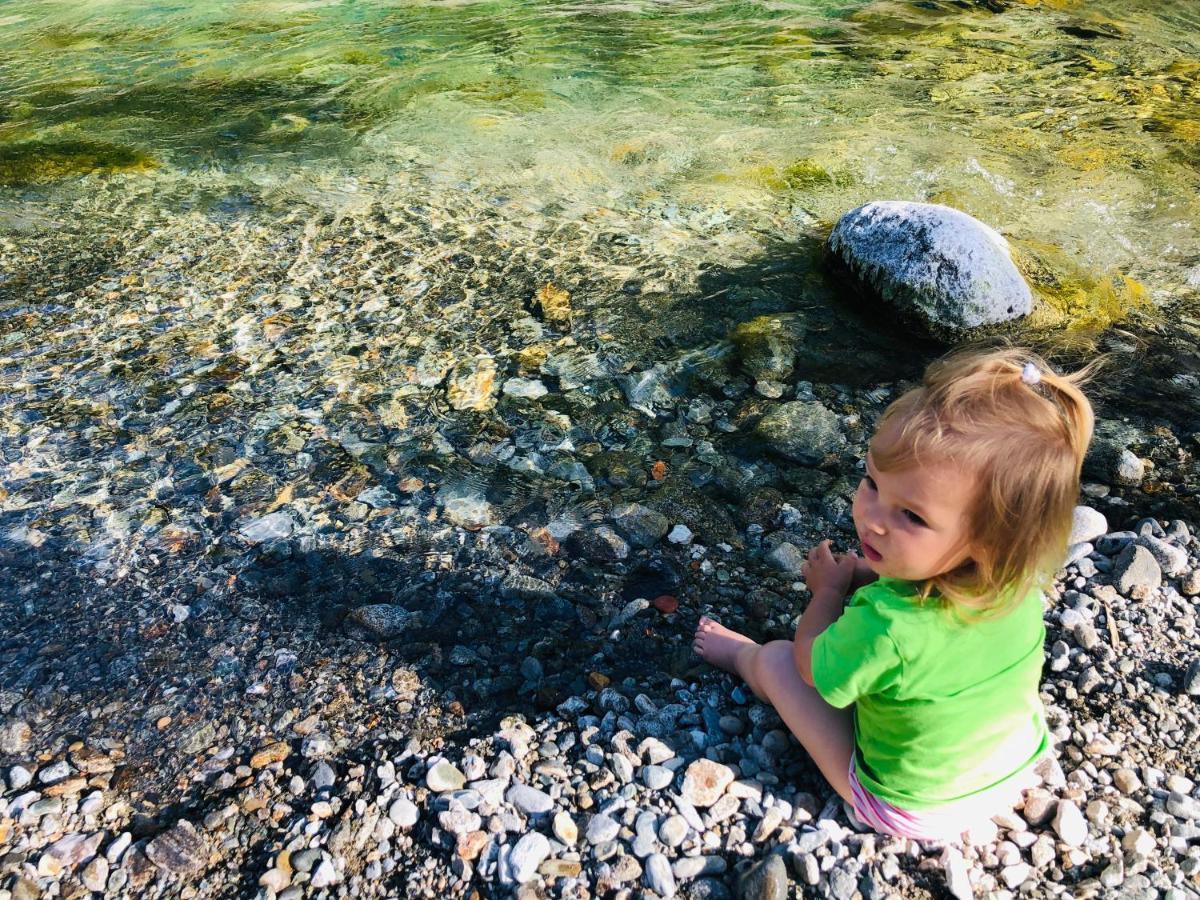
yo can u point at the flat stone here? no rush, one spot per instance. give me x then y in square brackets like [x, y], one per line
[704, 782]
[180, 850]
[656, 778]
[271, 753]
[601, 828]
[529, 800]
[273, 526]
[658, 875]
[766, 880]
[1069, 824]
[802, 431]
[443, 776]
[527, 855]
[324, 875]
[788, 557]
[673, 831]
[1183, 806]
[1136, 567]
[1087, 524]
[644, 527]
[384, 621]
[565, 828]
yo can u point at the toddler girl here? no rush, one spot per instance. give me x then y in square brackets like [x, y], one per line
[919, 700]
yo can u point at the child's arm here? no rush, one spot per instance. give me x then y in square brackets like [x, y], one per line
[829, 579]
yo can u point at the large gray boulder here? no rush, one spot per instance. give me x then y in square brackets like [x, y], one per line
[938, 265]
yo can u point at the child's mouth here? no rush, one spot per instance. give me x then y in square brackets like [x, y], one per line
[871, 553]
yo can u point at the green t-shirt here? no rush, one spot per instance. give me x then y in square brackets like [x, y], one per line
[943, 708]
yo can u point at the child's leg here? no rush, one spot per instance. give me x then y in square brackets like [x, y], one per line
[770, 671]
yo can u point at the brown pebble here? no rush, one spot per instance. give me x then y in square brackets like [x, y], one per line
[271, 753]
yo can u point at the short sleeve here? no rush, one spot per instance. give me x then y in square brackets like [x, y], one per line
[854, 656]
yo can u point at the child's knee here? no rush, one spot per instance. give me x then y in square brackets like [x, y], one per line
[775, 665]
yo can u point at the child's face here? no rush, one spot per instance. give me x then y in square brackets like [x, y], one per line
[913, 523]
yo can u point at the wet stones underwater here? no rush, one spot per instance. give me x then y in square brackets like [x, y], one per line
[355, 518]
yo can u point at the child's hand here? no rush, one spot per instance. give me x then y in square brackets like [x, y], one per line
[826, 573]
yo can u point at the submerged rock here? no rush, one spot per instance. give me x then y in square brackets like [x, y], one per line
[933, 263]
[473, 384]
[382, 620]
[803, 431]
[766, 345]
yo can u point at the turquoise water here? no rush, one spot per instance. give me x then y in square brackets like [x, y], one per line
[1073, 126]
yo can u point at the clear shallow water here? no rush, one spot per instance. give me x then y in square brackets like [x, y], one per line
[243, 244]
[1072, 126]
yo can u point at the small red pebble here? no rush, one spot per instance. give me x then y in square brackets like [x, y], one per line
[666, 604]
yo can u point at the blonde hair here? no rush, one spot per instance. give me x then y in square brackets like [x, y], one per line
[1023, 429]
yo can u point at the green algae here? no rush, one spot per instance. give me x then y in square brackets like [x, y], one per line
[1072, 299]
[39, 162]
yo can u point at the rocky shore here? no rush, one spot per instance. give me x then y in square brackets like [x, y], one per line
[382, 583]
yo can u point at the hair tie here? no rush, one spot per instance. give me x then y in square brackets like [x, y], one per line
[1031, 374]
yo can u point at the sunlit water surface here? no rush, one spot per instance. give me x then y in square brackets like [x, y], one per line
[230, 229]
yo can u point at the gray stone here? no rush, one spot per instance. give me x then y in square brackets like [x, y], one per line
[525, 388]
[179, 850]
[644, 527]
[766, 880]
[599, 544]
[273, 526]
[404, 813]
[527, 854]
[601, 828]
[935, 264]
[324, 875]
[1087, 524]
[19, 777]
[15, 736]
[1130, 468]
[657, 777]
[465, 505]
[1191, 678]
[1171, 559]
[658, 875]
[1136, 567]
[673, 831]
[803, 431]
[529, 800]
[788, 557]
[689, 867]
[1069, 824]
[384, 621]
[1183, 806]
[958, 882]
[443, 776]
[766, 345]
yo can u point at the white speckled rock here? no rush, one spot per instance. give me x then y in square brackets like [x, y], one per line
[937, 264]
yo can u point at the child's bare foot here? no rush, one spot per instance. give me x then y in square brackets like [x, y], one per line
[719, 645]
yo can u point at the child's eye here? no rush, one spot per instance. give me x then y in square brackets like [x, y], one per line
[870, 482]
[913, 517]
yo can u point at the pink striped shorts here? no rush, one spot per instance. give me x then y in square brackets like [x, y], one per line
[941, 823]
